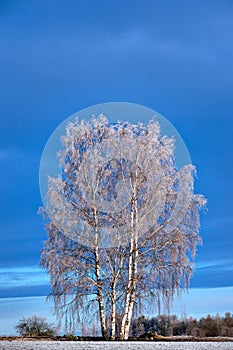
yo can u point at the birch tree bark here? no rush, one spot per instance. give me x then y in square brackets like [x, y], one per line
[99, 293]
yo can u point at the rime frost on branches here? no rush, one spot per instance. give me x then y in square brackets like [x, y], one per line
[124, 221]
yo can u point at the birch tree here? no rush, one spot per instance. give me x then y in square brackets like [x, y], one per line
[123, 222]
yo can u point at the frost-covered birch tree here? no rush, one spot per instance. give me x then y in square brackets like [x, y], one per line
[123, 222]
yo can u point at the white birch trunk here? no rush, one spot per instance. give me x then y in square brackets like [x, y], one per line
[134, 274]
[99, 283]
[113, 318]
[132, 271]
[100, 296]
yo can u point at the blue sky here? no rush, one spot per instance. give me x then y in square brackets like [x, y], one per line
[58, 57]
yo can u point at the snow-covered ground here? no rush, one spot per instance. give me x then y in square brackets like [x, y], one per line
[58, 345]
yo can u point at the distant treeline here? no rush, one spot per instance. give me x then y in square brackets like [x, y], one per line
[209, 326]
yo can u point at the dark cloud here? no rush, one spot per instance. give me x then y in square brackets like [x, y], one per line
[213, 275]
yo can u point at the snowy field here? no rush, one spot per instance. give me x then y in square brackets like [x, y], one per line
[58, 345]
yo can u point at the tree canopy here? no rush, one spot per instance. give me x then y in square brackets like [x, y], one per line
[123, 222]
